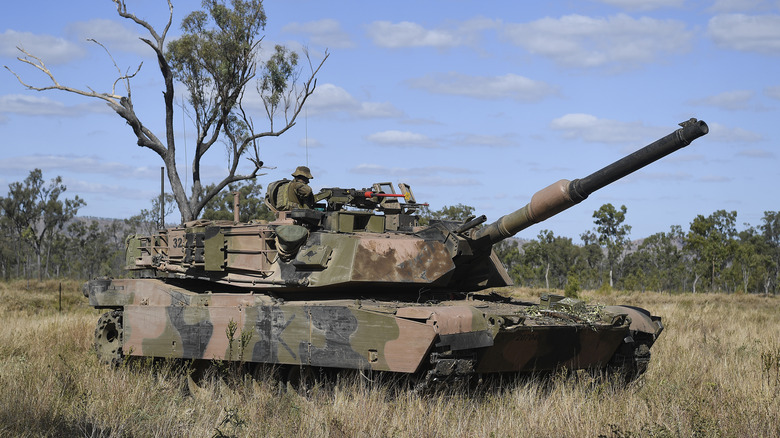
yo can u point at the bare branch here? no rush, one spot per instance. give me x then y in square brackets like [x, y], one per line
[111, 98]
[126, 77]
[308, 89]
[121, 9]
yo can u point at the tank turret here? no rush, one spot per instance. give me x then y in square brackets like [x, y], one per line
[358, 282]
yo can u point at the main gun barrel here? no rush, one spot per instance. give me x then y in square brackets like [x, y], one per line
[563, 194]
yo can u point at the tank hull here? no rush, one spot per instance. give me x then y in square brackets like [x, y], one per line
[155, 318]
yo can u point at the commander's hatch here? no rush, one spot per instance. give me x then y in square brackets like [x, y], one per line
[389, 202]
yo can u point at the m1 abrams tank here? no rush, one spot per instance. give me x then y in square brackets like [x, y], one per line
[358, 283]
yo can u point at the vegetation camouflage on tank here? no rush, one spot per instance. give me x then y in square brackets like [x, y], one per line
[358, 283]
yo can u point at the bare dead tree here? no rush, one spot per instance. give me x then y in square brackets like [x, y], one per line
[215, 99]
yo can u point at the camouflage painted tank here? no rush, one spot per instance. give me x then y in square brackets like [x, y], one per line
[358, 283]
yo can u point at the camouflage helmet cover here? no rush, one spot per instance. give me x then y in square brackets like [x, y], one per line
[302, 171]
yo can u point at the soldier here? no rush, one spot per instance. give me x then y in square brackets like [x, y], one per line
[298, 193]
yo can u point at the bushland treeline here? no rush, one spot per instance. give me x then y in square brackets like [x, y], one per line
[711, 255]
[40, 237]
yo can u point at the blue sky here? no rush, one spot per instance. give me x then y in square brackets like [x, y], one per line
[480, 103]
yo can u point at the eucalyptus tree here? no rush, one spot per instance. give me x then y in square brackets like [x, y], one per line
[591, 257]
[751, 263]
[216, 60]
[251, 205]
[612, 234]
[770, 229]
[553, 257]
[665, 258]
[37, 213]
[710, 242]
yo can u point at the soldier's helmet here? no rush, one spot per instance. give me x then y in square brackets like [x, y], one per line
[302, 171]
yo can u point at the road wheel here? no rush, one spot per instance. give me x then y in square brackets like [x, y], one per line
[108, 338]
[630, 360]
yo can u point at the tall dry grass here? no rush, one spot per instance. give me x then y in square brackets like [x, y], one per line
[715, 372]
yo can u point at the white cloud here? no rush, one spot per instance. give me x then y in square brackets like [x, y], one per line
[724, 134]
[756, 153]
[729, 100]
[370, 110]
[580, 41]
[485, 87]
[330, 99]
[429, 176]
[592, 129]
[644, 5]
[737, 5]
[43, 106]
[114, 35]
[52, 50]
[749, 33]
[401, 139]
[773, 92]
[485, 140]
[408, 34]
[79, 165]
[326, 32]
[309, 143]
[119, 191]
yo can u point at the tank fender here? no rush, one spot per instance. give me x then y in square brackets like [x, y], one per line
[641, 320]
[458, 327]
[466, 341]
[96, 286]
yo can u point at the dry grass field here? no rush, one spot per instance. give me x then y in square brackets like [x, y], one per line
[715, 372]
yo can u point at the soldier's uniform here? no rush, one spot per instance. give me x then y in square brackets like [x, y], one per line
[296, 193]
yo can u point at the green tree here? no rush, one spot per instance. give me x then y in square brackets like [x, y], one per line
[770, 229]
[7, 254]
[590, 261]
[548, 260]
[148, 220]
[251, 205]
[612, 234]
[710, 243]
[637, 274]
[751, 261]
[459, 212]
[508, 251]
[216, 60]
[18, 213]
[37, 212]
[658, 261]
[541, 253]
[94, 250]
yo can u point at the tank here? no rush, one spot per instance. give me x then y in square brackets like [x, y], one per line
[358, 283]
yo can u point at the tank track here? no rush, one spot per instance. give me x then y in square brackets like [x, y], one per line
[446, 369]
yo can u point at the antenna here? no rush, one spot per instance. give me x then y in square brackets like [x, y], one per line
[306, 138]
[162, 197]
[186, 160]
